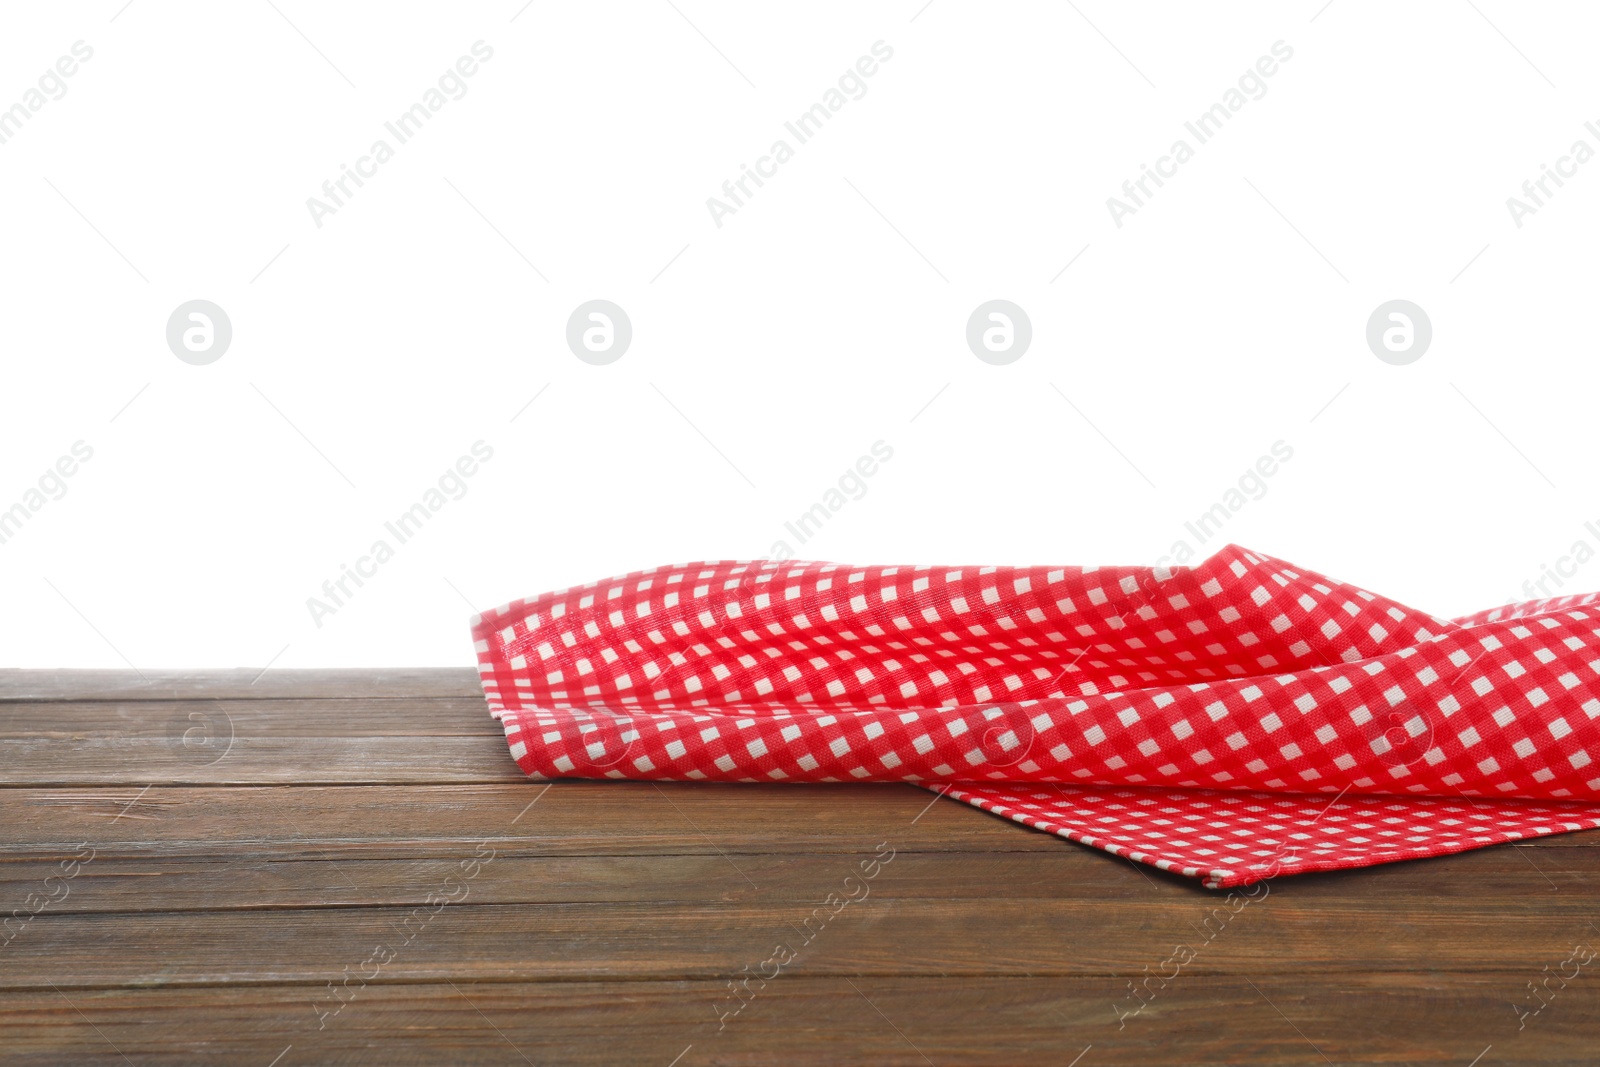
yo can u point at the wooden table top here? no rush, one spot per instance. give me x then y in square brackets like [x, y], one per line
[346, 867]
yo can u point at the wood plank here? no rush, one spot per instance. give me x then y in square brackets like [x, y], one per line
[298, 741]
[567, 817]
[207, 719]
[241, 683]
[345, 824]
[708, 938]
[256, 760]
[798, 1021]
[237, 882]
[259, 880]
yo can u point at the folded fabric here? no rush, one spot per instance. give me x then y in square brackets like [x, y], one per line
[1231, 721]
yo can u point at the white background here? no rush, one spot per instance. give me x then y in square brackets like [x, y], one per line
[770, 353]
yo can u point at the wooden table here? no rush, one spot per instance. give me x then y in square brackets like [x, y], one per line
[346, 867]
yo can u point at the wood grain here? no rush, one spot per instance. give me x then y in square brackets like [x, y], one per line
[797, 1021]
[243, 683]
[155, 880]
[600, 922]
[885, 934]
[166, 719]
[572, 817]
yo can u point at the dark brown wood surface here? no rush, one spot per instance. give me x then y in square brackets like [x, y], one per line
[297, 868]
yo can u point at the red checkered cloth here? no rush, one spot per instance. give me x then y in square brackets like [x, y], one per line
[1230, 721]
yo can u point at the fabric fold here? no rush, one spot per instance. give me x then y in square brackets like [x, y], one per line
[1231, 721]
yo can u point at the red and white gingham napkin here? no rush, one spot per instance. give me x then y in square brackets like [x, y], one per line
[1230, 721]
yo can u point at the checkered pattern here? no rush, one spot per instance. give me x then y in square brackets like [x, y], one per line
[1231, 721]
